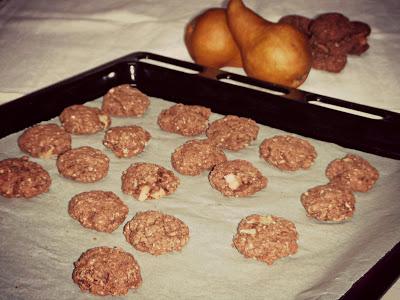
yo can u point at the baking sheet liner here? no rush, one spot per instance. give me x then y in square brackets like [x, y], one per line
[40, 241]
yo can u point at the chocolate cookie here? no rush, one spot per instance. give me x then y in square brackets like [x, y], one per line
[98, 210]
[287, 152]
[330, 27]
[156, 233]
[125, 101]
[196, 156]
[83, 164]
[21, 178]
[81, 119]
[186, 120]
[148, 181]
[266, 238]
[44, 141]
[299, 22]
[232, 132]
[107, 271]
[126, 141]
[237, 178]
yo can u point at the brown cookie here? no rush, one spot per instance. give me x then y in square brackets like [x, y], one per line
[107, 271]
[288, 153]
[327, 62]
[125, 101]
[299, 22]
[98, 210]
[328, 203]
[186, 120]
[196, 156]
[81, 119]
[352, 172]
[156, 233]
[330, 27]
[83, 164]
[44, 141]
[266, 238]
[126, 141]
[232, 132]
[237, 178]
[357, 42]
[21, 178]
[148, 181]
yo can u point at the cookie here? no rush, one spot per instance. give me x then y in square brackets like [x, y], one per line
[299, 22]
[330, 27]
[98, 210]
[196, 156]
[186, 120]
[145, 181]
[83, 164]
[232, 132]
[328, 203]
[331, 57]
[44, 141]
[352, 172]
[237, 178]
[266, 238]
[357, 42]
[21, 178]
[156, 233]
[288, 153]
[126, 141]
[81, 119]
[125, 101]
[107, 271]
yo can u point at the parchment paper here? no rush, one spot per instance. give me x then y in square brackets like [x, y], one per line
[40, 241]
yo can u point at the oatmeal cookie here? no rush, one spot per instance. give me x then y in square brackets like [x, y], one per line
[98, 210]
[156, 233]
[266, 238]
[237, 178]
[107, 271]
[21, 178]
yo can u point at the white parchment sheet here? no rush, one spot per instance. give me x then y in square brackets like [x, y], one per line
[39, 241]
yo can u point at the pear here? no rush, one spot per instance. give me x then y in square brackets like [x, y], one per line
[274, 52]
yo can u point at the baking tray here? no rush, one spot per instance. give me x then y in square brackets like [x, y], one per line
[328, 119]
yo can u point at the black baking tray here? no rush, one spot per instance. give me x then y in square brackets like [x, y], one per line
[325, 118]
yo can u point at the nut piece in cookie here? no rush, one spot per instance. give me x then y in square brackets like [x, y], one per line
[196, 156]
[126, 141]
[107, 271]
[156, 233]
[21, 178]
[352, 172]
[288, 153]
[98, 210]
[266, 238]
[186, 120]
[81, 119]
[328, 203]
[83, 164]
[148, 181]
[44, 140]
[237, 178]
[232, 132]
[125, 101]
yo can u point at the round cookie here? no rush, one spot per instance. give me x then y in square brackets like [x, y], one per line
[299, 22]
[126, 141]
[266, 238]
[21, 178]
[98, 210]
[352, 172]
[237, 178]
[196, 156]
[107, 271]
[148, 181]
[287, 152]
[232, 132]
[125, 101]
[44, 140]
[156, 233]
[328, 203]
[186, 120]
[330, 27]
[81, 119]
[83, 164]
